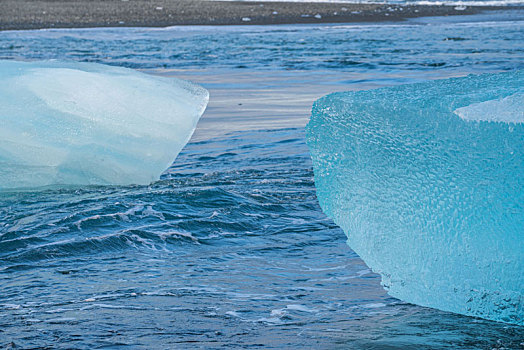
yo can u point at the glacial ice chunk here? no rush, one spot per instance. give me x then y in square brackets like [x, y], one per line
[427, 181]
[66, 123]
[508, 110]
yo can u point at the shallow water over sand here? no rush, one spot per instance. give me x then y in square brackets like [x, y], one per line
[230, 247]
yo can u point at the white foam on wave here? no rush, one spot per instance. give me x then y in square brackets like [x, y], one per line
[467, 3]
[506, 110]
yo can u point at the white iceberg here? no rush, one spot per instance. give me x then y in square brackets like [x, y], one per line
[66, 123]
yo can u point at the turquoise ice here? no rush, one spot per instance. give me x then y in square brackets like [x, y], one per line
[66, 123]
[427, 181]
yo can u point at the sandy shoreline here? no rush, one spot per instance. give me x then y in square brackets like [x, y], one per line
[36, 14]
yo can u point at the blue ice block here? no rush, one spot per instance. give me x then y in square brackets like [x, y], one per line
[427, 181]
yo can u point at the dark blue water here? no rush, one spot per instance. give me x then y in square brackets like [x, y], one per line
[229, 248]
[436, 45]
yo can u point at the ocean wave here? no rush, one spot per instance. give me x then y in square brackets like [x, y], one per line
[194, 205]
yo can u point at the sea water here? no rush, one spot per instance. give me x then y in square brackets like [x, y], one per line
[230, 247]
[416, 2]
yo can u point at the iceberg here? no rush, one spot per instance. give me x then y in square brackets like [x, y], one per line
[427, 182]
[68, 123]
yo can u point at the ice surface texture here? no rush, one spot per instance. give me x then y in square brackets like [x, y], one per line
[427, 181]
[84, 123]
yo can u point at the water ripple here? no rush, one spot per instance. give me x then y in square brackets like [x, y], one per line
[227, 248]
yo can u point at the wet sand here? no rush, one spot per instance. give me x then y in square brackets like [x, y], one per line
[36, 14]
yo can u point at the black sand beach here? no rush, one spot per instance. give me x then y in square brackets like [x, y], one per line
[35, 14]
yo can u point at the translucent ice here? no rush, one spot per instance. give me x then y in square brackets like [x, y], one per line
[508, 109]
[427, 181]
[84, 123]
